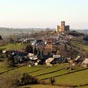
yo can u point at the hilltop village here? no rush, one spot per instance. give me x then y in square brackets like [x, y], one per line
[61, 49]
[48, 47]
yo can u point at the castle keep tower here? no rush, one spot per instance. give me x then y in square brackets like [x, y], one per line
[62, 28]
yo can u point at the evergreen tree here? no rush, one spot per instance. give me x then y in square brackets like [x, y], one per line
[29, 49]
[0, 37]
[35, 51]
[65, 47]
[52, 80]
[11, 60]
[11, 40]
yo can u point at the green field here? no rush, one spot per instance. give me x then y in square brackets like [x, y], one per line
[16, 46]
[78, 76]
[40, 86]
[80, 45]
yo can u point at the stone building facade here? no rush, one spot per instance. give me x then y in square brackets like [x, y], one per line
[62, 28]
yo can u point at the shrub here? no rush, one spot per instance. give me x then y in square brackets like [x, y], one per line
[29, 49]
[9, 81]
[86, 38]
[15, 80]
[52, 80]
[27, 79]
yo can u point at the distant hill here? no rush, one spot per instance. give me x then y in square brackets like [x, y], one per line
[11, 31]
[83, 31]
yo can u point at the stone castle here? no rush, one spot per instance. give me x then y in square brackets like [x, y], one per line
[62, 28]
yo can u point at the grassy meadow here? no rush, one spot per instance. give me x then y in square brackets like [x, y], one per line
[16, 46]
[80, 45]
[77, 77]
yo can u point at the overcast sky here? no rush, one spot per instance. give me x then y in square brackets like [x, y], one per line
[43, 13]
